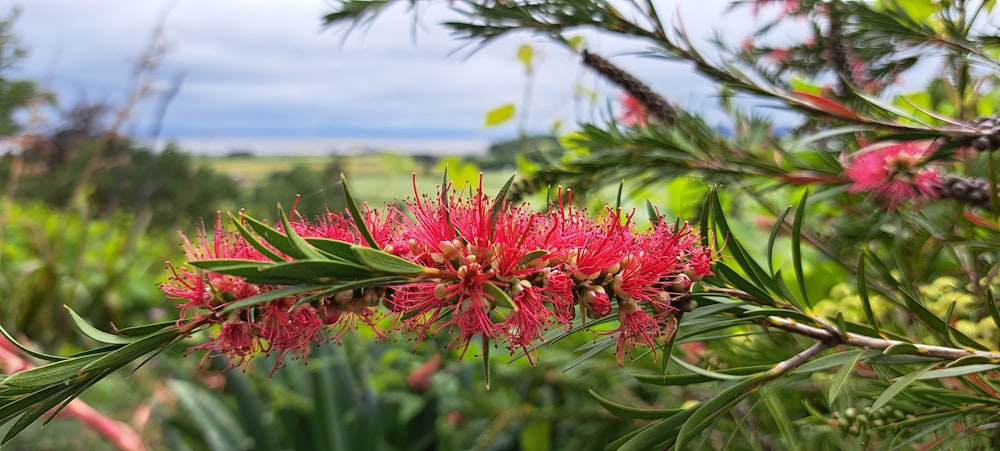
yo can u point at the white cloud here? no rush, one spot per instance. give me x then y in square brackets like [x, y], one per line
[260, 66]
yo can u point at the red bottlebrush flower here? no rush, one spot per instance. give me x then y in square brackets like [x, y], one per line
[235, 340]
[636, 327]
[207, 290]
[633, 113]
[589, 248]
[895, 172]
[288, 329]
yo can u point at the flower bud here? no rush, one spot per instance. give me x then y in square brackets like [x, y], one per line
[596, 302]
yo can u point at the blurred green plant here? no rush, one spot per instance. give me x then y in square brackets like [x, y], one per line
[107, 270]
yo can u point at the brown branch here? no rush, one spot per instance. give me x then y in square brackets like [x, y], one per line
[659, 109]
[865, 341]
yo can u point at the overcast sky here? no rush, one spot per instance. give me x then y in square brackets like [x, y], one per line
[265, 68]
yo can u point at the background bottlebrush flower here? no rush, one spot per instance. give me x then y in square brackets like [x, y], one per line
[895, 172]
[633, 113]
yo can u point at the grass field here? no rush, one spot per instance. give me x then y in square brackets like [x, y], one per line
[376, 178]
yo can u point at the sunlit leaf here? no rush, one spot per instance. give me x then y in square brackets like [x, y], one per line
[840, 379]
[385, 262]
[899, 385]
[499, 115]
[958, 371]
[633, 412]
[94, 333]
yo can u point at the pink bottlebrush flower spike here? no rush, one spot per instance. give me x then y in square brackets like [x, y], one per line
[895, 172]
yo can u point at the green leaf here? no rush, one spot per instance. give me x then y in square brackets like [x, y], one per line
[958, 371]
[269, 296]
[499, 115]
[901, 348]
[499, 296]
[222, 264]
[899, 359]
[832, 361]
[841, 378]
[781, 313]
[744, 260]
[385, 262]
[486, 360]
[800, 213]
[654, 435]
[146, 329]
[600, 345]
[252, 239]
[339, 250]
[654, 216]
[708, 410]
[38, 410]
[275, 238]
[525, 54]
[715, 375]
[866, 304]
[532, 256]
[50, 374]
[971, 360]
[991, 305]
[498, 204]
[697, 378]
[302, 247]
[774, 235]
[635, 413]
[10, 409]
[359, 220]
[96, 334]
[308, 271]
[738, 282]
[221, 429]
[29, 351]
[937, 324]
[900, 384]
[133, 351]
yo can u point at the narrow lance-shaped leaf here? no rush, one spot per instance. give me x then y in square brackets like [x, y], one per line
[900, 384]
[498, 204]
[133, 351]
[800, 213]
[710, 409]
[340, 250]
[486, 360]
[275, 238]
[52, 373]
[94, 333]
[991, 305]
[252, 239]
[29, 351]
[958, 371]
[633, 412]
[387, 263]
[359, 220]
[866, 304]
[301, 245]
[840, 379]
[774, 236]
[654, 216]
